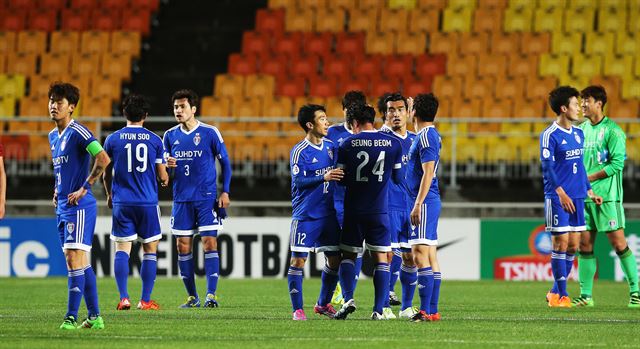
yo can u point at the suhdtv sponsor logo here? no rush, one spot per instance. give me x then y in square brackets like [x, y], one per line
[533, 267]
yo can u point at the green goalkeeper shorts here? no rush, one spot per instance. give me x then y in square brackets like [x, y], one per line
[604, 218]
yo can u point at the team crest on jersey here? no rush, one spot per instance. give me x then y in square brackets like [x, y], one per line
[330, 153]
[70, 227]
[613, 224]
[295, 169]
[196, 139]
[601, 135]
[577, 138]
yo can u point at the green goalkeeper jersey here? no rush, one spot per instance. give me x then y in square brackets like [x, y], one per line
[605, 149]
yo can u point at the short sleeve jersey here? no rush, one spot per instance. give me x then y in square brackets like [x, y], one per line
[337, 134]
[425, 148]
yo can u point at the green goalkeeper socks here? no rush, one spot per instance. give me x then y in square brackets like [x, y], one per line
[630, 268]
[586, 272]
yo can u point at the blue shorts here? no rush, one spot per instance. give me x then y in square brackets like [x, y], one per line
[427, 232]
[400, 224]
[131, 223]
[195, 217]
[76, 227]
[558, 221]
[317, 235]
[372, 229]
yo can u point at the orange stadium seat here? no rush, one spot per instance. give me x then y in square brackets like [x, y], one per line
[479, 88]
[299, 19]
[474, 43]
[334, 107]
[82, 82]
[497, 108]
[32, 42]
[611, 85]
[507, 87]
[330, 20]
[411, 43]
[300, 101]
[318, 44]
[270, 20]
[3, 63]
[505, 43]
[344, 4]
[34, 106]
[523, 66]
[75, 19]
[277, 107]
[547, 19]
[365, 4]
[247, 106]
[323, 86]
[137, 20]
[97, 106]
[624, 109]
[444, 109]
[289, 44]
[467, 108]
[39, 85]
[12, 85]
[518, 19]
[446, 43]
[539, 88]
[424, 20]
[487, 20]
[398, 66]
[529, 108]
[259, 85]
[492, 65]
[431, 4]
[7, 41]
[116, 64]
[55, 63]
[94, 42]
[39, 148]
[462, 65]
[65, 42]
[393, 20]
[314, 4]
[291, 87]
[305, 66]
[448, 86]
[106, 87]
[256, 43]
[457, 20]
[22, 63]
[535, 43]
[430, 65]
[380, 43]
[363, 20]
[228, 85]
[579, 20]
[43, 19]
[274, 65]
[337, 65]
[215, 106]
[414, 86]
[125, 42]
[350, 44]
[85, 63]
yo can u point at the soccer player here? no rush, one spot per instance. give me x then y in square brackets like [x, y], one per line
[3, 184]
[337, 134]
[424, 158]
[72, 146]
[394, 111]
[565, 186]
[131, 185]
[191, 149]
[315, 225]
[370, 159]
[604, 155]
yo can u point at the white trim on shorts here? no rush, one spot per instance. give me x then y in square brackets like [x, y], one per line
[210, 227]
[333, 248]
[395, 245]
[129, 238]
[179, 232]
[375, 248]
[427, 242]
[564, 229]
[76, 246]
[404, 245]
[354, 249]
[301, 249]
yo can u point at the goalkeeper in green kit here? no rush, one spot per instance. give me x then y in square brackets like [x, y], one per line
[604, 155]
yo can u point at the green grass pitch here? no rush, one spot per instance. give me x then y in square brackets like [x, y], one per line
[256, 314]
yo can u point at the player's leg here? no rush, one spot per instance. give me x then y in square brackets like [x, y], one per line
[559, 241]
[628, 263]
[328, 242]
[337, 299]
[586, 266]
[409, 281]
[351, 245]
[76, 281]
[377, 236]
[150, 233]
[302, 237]
[86, 223]
[208, 226]
[572, 248]
[396, 262]
[395, 259]
[380, 283]
[183, 225]
[121, 273]
[437, 280]
[420, 253]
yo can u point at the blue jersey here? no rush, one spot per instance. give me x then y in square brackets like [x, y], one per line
[425, 148]
[314, 199]
[134, 152]
[368, 159]
[71, 162]
[399, 199]
[564, 148]
[196, 152]
[337, 134]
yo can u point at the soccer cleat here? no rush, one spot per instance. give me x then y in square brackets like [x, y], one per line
[124, 304]
[582, 301]
[69, 323]
[420, 316]
[393, 299]
[388, 314]
[552, 298]
[347, 308]
[337, 299]
[434, 317]
[299, 315]
[95, 324]
[377, 316]
[192, 302]
[211, 301]
[634, 300]
[327, 310]
[563, 302]
[150, 305]
[408, 313]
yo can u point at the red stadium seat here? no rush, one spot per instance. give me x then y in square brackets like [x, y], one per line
[137, 20]
[84, 4]
[368, 66]
[76, 19]
[336, 65]
[242, 64]
[382, 85]
[16, 147]
[431, 65]
[398, 66]
[106, 18]
[305, 66]
[323, 86]
[21, 5]
[289, 44]
[318, 44]
[43, 19]
[256, 43]
[355, 84]
[152, 5]
[114, 4]
[53, 4]
[412, 86]
[277, 66]
[270, 21]
[291, 87]
[350, 44]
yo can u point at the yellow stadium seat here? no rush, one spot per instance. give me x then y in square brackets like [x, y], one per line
[579, 20]
[277, 107]
[562, 43]
[618, 65]
[229, 85]
[363, 20]
[55, 63]
[631, 87]
[518, 19]
[7, 42]
[457, 20]
[215, 106]
[246, 106]
[614, 20]
[300, 19]
[470, 149]
[380, 43]
[65, 42]
[547, 20]
[586, 66]
[633, 149]
[583, 4]
[499, 150]
[411, 43]
[579, 82]
[461, 4]
[627, 43]
[516, 129]
[637, 65]
[393, 20]
[32, 42]
[408, 4]
[444, 42]
[600, 43]
[539, 127]
[13, 85]
[521, 4]
[553, 65]
[7, 106]
[330, 20]
[634, 20]
[530, 151]
[424, 20]
[94, 42]
[551, 4]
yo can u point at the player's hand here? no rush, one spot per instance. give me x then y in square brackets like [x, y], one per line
[415, 214]
[172, 162]
[566, 202]
[334, 175]
[75, 197]
[164, 183]
[595, 198]
[410, 110]
[223, 200]
[55, 198]
[109, 201]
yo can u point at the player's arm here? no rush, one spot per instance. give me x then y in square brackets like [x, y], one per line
[225, 165]
[428, 169]
[107, 179]
[616, 144]
[161, 166]
[99, 165]
[3, 187]
[546, 160]
[340, 162]
[398, 173]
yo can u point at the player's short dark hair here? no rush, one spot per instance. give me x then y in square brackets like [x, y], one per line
[597, 92]
[426, 107]
[362, 113]
[394, 97]
[60, 90]
[135, 107]
[560, 96]
[382, 104]
[307, 113]
[353, 96]
[190, 95]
